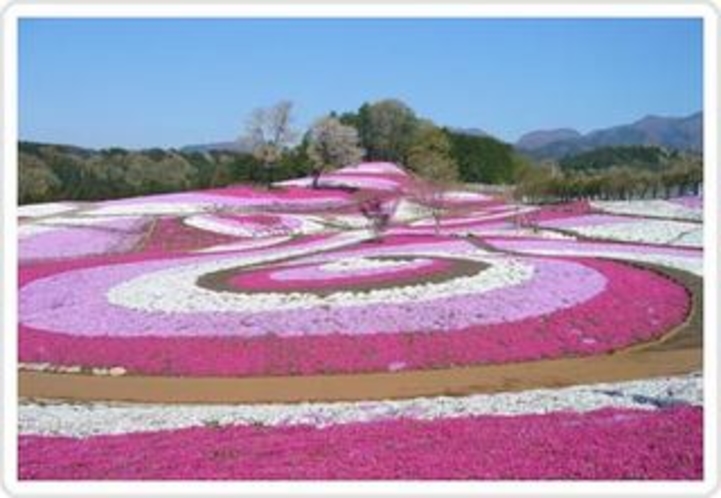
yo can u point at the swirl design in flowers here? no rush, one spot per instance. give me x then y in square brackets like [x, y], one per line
[242, 282]
[355, 306]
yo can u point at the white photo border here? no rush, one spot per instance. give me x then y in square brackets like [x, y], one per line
[704, 11]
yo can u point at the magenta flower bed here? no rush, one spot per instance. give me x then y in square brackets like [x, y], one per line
[605, 444]
[171, 234]
[636, 305]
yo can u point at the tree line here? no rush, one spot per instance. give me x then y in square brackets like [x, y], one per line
[674, 173]
[55, 172]
[387, 130]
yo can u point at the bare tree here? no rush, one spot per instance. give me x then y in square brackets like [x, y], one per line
[332, 145]
[270, 133]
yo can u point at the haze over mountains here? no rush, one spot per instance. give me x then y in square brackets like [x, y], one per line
[682, 133]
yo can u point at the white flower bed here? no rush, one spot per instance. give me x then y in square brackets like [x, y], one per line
[245, 245]
[477, 217]
[465, 196]
[85, 420]
[654, 208]
[47, 209]
[524, 232]
[381, 168]
[154, 208]
[691, 265]
[346, 221]
[409, 211]
[356, 264]
[211, 223]
[174, 290]
[676, 233]
[45, 225]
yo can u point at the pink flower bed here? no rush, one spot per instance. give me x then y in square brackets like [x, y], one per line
[172, 235]
[261, 220]
[559, 212]
[287, 199]
[374, 168]
[310, 277]
[73, 241]
[689, 202]
[635, 305]
[284, 195]
[75, 303]
[366, 176]
[611, 444]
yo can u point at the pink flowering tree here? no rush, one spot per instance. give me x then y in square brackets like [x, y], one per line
[377, 210]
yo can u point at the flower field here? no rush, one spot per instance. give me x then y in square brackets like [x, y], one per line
[240, 283]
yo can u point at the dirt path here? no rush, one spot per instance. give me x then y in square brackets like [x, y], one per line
[678, 352]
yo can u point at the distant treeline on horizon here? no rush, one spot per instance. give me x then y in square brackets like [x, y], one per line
[386, 131]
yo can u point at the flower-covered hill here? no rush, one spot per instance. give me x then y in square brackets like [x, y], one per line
[366, 275]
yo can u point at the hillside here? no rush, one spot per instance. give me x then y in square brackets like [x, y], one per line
[685, 133]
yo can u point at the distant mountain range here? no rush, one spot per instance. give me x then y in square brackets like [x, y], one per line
[542, 138]
[473, 132]
[240, 145]
[685, 133]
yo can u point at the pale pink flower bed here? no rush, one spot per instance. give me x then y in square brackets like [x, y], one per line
[559, 212]
[689, 202]
[608, 444]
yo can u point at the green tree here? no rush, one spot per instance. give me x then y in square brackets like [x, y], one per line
[36, 182]
[385, 129]
[431, 159]
[483, 159]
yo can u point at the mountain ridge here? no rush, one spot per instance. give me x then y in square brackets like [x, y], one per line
[681, 133]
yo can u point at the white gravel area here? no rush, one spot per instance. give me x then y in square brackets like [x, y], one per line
[89, 419]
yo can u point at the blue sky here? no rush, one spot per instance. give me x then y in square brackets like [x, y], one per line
[170, 82]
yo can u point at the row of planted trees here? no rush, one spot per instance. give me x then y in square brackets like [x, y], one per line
[547, 183]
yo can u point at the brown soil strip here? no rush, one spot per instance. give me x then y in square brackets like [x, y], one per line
[678, 352]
